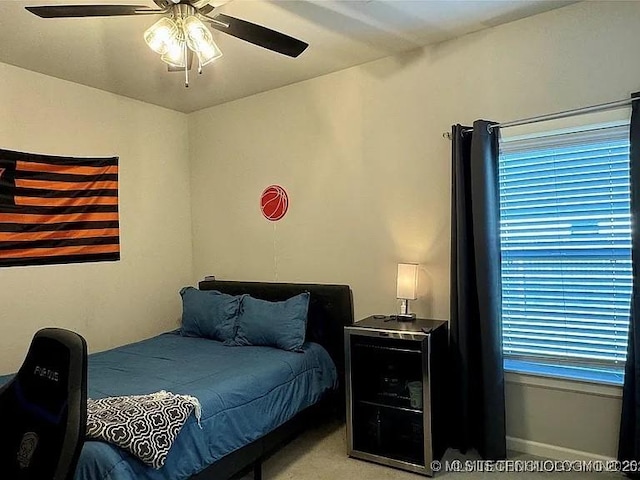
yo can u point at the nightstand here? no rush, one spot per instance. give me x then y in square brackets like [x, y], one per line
[395, 391]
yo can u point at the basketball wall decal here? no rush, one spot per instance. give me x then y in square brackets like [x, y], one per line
[274, 202]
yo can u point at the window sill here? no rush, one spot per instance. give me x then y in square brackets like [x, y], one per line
[553, 382]
[598, 375]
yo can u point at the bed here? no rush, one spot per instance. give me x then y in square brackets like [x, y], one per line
[253, 398]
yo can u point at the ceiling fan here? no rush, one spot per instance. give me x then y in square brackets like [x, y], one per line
[181, 32]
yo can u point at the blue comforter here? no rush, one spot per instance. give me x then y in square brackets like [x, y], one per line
[245, 392]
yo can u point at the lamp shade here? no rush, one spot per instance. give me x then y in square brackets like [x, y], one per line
[176, 55]
[161, 35]
[407, 281]
[208, 53]
[200, 40]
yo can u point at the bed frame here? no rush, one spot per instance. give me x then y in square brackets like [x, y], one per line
[330, 309]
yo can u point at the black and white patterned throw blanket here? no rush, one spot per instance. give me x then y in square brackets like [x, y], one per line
[144, 425]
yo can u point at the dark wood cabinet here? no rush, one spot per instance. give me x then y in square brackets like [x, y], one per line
[395, 391]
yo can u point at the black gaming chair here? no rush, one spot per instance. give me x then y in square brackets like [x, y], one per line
[43, 409]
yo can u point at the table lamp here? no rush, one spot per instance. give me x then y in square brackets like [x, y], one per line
[407, 286]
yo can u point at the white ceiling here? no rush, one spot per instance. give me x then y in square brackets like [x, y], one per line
[110, 54]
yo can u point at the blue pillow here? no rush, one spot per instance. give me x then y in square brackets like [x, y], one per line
[273, 324]
[209, 314]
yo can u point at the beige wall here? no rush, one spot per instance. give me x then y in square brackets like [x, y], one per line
[109, 303]
[566, 420]
[368, 172]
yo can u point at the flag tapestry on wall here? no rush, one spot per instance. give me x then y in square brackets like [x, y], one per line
[57, 209]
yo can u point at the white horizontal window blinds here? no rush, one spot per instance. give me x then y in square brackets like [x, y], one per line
[566, 247]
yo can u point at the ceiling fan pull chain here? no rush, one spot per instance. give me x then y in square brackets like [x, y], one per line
[186, 67]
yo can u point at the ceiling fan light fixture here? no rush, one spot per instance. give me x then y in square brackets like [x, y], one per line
[162, 35]
[195, 31]
[208, 54]
[176, 56]
[181, 32]
[171, 37]
[200, 40]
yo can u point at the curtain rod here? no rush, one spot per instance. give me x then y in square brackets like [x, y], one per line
[558, 115]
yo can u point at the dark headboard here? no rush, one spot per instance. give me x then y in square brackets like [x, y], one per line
[330, 309]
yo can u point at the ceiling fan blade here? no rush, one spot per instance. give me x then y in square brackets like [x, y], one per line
[203, 3]
[206, 9]
[258, 35]
[70, 11]
[164, 4]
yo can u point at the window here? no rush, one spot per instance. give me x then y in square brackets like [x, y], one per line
[565, 234]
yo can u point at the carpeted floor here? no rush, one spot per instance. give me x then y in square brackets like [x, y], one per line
[320, 454]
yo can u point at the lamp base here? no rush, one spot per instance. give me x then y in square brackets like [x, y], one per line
[405, 315]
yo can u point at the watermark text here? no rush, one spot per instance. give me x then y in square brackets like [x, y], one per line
[544, 466]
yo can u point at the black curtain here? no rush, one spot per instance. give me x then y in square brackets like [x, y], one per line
[477, 415]
[629, 442]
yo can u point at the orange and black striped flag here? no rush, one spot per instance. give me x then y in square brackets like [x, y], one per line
[57, 209]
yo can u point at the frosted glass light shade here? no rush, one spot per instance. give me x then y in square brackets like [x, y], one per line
[171, 39]
[208, 53]
[161, 35]
[407, 281]
[176, 55]
[200, 40]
